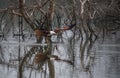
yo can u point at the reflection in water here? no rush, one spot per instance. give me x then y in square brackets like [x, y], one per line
[107, 66]
[107, 60]
[113, 69]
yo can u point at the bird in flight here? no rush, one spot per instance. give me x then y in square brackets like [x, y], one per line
[42, 32]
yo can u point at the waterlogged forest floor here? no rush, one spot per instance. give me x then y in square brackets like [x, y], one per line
[107, 60]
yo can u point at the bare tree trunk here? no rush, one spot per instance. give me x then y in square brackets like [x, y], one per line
[25, 15]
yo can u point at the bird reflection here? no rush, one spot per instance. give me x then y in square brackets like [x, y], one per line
[40, 58]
